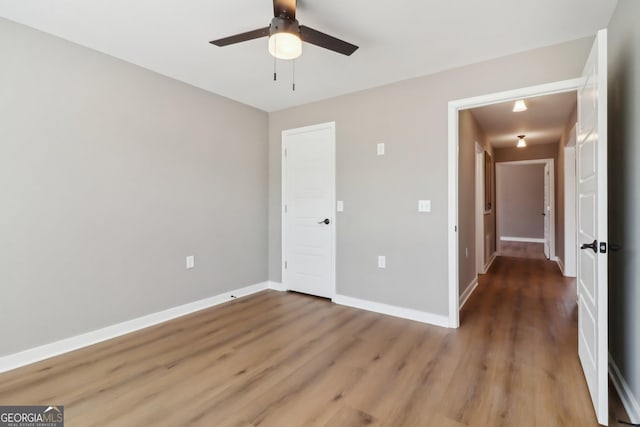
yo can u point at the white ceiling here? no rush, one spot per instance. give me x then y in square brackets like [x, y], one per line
[543, 122]
[398, 39]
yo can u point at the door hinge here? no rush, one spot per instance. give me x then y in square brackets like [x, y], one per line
[455, 228]
[285, 265]
[285, 152]
[285, 209]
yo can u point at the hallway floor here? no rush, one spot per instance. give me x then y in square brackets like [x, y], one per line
[533, 336]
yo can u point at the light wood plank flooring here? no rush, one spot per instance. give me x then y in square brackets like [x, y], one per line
[278, 359]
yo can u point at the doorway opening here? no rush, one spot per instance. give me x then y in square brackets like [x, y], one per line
[525, 209]
[465, 246]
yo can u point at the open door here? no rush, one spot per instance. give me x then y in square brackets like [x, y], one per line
[592, 225]
[547, 212]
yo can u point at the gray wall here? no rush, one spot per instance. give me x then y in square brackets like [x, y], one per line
[381, 192]
[624, 185]
[520, 200]
[534, 152]
[470, 132]
[109, 176]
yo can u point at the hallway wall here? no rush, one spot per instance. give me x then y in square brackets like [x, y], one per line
[624, 200]
[470, 132]
[535, 152]
[520, 201]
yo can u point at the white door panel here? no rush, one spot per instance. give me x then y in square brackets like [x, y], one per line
[308, 191]
[547, 212]
[591, 171]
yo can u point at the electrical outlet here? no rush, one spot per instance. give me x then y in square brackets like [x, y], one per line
[382, 261]
[380, 149]
[340, 206]
[191, 262]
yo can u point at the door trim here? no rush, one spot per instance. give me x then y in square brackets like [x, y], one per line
[552, 204]
[570, 256]
[453, 108]
[332, 186]
[481, 256]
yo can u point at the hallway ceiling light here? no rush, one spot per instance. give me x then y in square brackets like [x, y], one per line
[521, 142]
[519, 106]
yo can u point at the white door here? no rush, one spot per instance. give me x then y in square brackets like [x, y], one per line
[308, 220]
[592, 225]
[547, 212]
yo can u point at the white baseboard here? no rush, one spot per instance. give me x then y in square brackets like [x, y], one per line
[468, 291]
[66, 345]
[392, 310]
[560, 265]
[276, 286]
[488, 265]
[521, 239]
[629, 401]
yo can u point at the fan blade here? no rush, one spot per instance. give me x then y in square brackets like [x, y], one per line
[284, 7]
[326, 41]
[242, 37]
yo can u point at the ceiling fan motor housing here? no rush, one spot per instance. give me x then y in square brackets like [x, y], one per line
[284, 25]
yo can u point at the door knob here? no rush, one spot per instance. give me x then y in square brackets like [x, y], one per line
[591, 246]
[325, 221]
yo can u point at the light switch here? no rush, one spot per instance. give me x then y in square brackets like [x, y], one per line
[340, 206]
[382, 261]
[191, 261]
[424, 205]
[381, 149]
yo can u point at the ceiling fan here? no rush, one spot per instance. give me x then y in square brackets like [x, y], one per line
[286, 34]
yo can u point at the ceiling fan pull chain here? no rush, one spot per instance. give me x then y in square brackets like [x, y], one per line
[294, 75]
[274, 61]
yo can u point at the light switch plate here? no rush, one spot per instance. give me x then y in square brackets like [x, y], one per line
[191, 261]
[382, 261]
[424, 205]
[340, 206]
[381, 149]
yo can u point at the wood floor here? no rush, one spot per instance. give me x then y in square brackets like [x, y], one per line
[521, 249]
[278, 359]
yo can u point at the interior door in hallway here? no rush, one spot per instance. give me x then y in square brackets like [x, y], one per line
[592, 225]
[547, 212]
[308, 220]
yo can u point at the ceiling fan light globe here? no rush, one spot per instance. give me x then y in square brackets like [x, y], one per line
[521, 143]
[285, 45]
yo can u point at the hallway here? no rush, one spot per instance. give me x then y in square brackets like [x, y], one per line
[522, 326]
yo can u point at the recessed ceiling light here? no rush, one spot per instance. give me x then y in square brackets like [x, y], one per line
[521, 142]
[519, 106]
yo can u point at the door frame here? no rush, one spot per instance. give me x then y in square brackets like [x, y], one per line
[479, 193]
[332, 186]
[453, 109]
[552, 186]
[570, 261]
